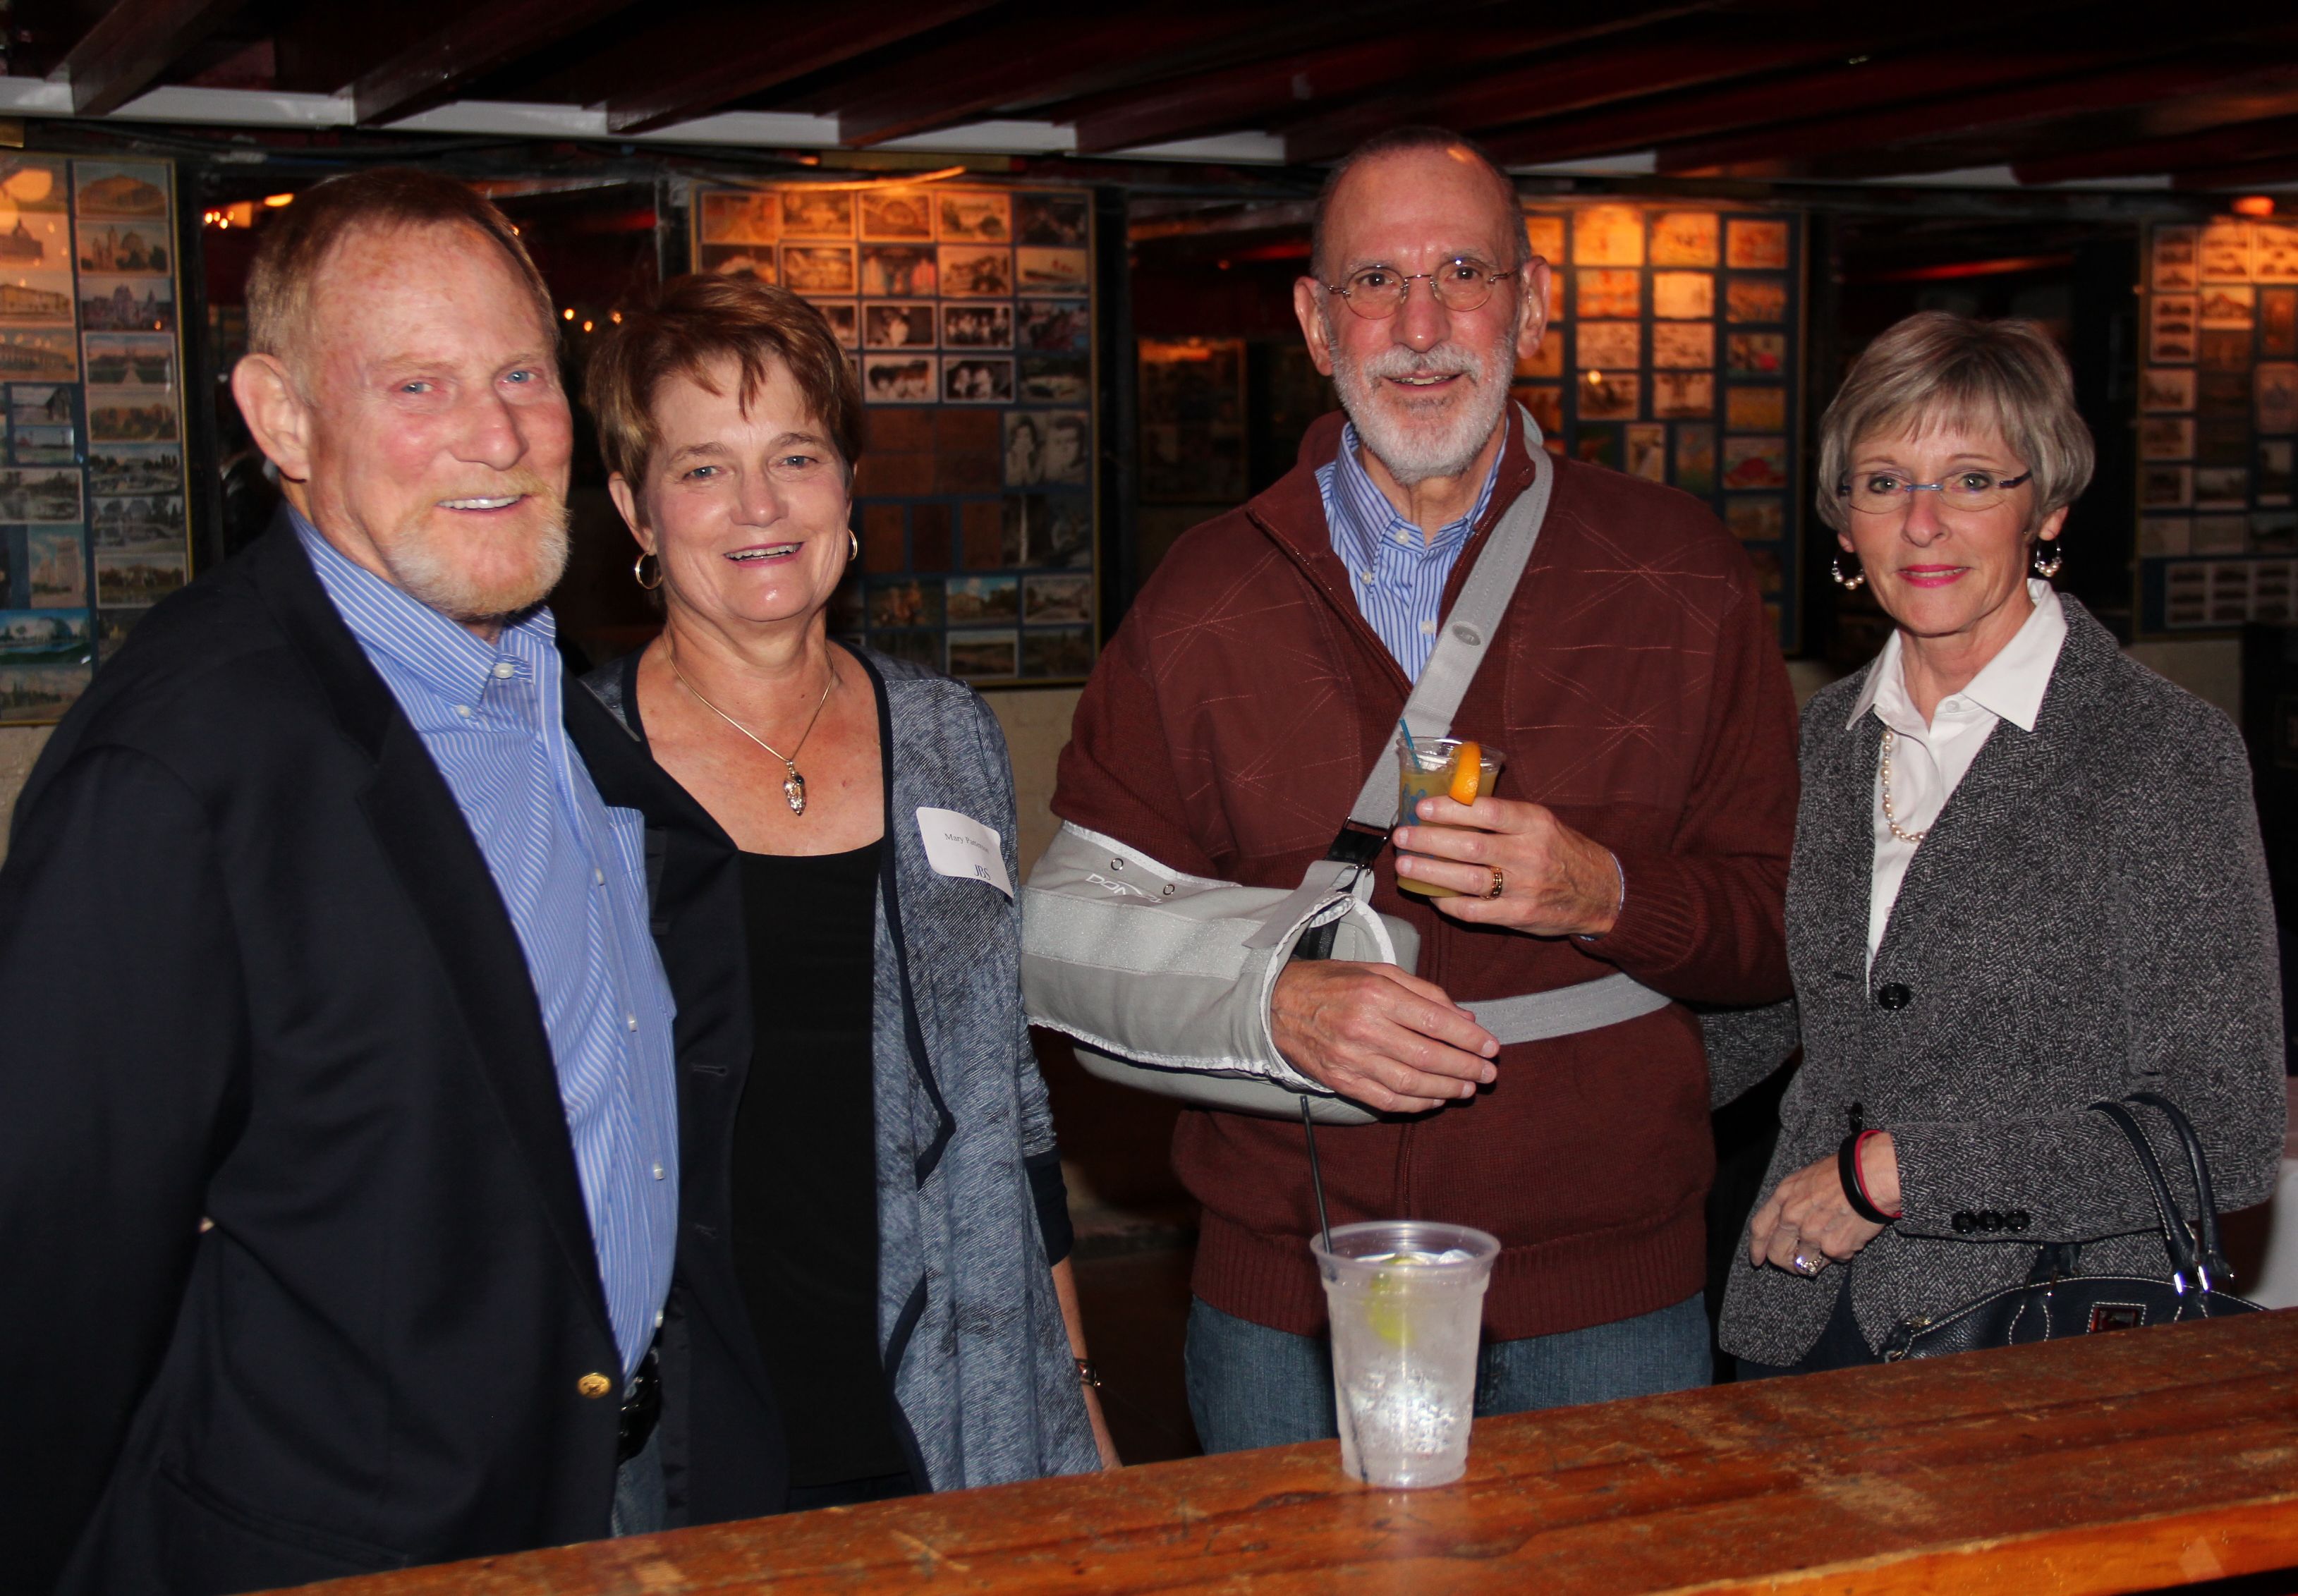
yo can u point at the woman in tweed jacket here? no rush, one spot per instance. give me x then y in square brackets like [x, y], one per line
[2027, 876]
[884, 1169]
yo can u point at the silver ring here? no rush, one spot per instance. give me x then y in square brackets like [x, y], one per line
[1804, 1265]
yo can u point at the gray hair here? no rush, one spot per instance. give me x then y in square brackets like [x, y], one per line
[1937, 370]
[1412, 140]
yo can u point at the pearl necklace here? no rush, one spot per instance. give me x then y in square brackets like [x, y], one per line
[1889, 818]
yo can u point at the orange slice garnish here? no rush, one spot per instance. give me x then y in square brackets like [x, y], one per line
[1467, 773]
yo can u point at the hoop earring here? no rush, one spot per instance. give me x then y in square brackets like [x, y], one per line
[853, 545]
[637, 569]
[2046, 566]
[1850, 584]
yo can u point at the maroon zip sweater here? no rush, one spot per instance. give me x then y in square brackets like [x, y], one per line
[1638, 693]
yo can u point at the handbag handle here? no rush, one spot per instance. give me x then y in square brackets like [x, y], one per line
[2214, 1258]
[2184, 1265]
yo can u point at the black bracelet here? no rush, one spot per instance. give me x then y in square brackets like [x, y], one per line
[1846, 1168]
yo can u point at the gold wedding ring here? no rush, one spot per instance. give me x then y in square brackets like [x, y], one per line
[1500, 880]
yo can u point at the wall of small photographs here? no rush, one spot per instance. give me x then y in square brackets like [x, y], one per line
[968, 311]
[92, 524]
[1674, 354]
[2217, 423]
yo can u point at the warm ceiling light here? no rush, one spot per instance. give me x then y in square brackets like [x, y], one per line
[615, 316]
[568, 313]
[586, 327]
[275, 201]
[2254, 204]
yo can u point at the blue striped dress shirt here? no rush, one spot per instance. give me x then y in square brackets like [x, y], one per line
[572, 873]
[1397, 574]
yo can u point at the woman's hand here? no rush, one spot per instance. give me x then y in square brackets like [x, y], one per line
[1554, 881]
[1809, 1217]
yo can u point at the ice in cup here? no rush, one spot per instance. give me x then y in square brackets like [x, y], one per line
[1406, 1298]
[1434, 767]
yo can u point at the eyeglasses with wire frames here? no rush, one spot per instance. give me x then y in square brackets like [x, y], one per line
[1377, 292]
[1885, 493]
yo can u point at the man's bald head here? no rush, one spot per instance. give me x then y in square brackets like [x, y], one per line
[1415, 141]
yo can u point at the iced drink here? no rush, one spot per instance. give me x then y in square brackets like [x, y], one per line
[1430, 767]
[1406, 1298]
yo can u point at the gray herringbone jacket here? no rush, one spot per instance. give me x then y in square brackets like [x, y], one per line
[2087, 917]
[972, 1334]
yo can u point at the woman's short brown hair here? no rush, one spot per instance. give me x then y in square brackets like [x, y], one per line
[697, 321]
[1936, 369]
[297, 242]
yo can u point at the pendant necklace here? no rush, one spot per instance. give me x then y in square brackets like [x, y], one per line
[793, 784]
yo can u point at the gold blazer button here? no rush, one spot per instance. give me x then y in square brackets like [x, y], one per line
[594, 1386]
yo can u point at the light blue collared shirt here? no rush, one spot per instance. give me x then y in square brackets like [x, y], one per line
[572, 873]
[1397, 574]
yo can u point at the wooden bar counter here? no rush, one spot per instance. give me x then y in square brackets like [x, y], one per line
[2115, 1462]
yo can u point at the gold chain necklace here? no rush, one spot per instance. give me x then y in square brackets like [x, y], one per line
[793, 784]
[1890, 819]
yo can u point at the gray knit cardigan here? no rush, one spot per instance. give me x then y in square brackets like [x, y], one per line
[2087, 917]
[967, 1318]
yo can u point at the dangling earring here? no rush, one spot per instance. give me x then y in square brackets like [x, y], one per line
[638, 570]
[853, 545]
[1850, 584]
[2048, 559]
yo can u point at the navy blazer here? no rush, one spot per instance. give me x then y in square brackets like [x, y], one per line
[255, 971]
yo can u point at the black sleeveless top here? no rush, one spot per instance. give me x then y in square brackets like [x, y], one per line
[804, 1163]
[804, 1171]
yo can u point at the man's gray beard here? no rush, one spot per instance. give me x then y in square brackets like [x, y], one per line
[1414, 452]
[425, 575]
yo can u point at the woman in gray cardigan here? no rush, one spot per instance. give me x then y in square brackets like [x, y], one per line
[2027, 876]
[885, 1169]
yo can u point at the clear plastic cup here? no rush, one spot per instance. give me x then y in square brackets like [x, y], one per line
[1406, 1298]
[1425, 769]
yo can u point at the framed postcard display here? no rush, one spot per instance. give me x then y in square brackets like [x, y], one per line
[1674, 353]
[93, 528]
[968, 311]
[2217, 426]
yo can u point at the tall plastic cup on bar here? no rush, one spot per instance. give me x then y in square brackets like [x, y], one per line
[1406, 1298]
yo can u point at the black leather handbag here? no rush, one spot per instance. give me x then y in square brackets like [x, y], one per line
[2057, 1303]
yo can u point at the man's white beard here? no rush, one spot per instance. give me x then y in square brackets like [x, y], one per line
[1443, 441]
[466, 590]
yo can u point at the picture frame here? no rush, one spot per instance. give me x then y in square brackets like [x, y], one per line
[900, 379]
[810, 213]
[896, 215]
[975, 272]
[899, 324]
[974, 215]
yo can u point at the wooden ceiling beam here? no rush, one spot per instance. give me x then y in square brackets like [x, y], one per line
[1243, 96]
[490, 35]
[1883, 80]
[1693, 51]
[1098, 52]
[1930, 121]
[687, 72]
[1196, 105]
[2218, 146]
[2249, 174]
[131, 46]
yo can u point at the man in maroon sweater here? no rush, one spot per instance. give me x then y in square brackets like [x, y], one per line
[1643, 824]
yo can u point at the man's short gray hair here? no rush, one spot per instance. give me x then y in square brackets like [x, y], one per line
[1937, 370]
[1411, 140]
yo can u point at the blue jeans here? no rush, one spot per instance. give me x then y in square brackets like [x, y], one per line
[1249, 1385]
[642, 1495]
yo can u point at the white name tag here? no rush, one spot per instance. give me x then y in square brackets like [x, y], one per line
[960, 846]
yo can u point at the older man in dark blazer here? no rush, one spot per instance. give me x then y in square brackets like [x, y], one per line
[340, 1141]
